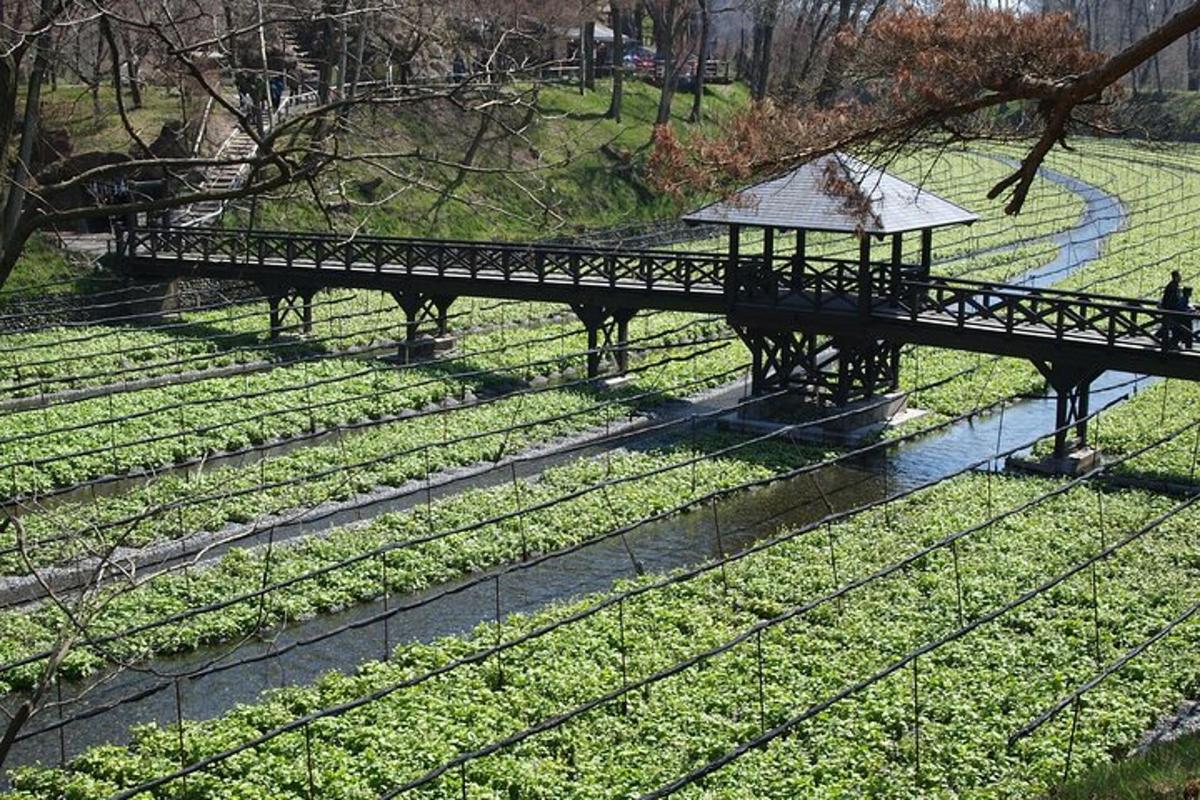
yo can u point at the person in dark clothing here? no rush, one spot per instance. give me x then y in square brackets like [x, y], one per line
[1170, 301]
[276, 86]
[1185, 334]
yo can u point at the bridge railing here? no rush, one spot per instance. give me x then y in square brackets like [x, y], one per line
[1061, 314]
[882, 288]
[574, 264]
[821, 282]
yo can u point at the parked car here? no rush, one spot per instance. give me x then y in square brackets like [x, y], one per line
[640, 58]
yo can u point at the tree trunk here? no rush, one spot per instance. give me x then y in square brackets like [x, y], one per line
[12, 232]
[618, 64]
[755, 55]
[1193, 62]
[343, 58]
[588, 44]
[131, 60]
[666, 51]
[762, 76]
[831, 81]
[360, 46]
[325, 70]
[701, 62]
[94, 82]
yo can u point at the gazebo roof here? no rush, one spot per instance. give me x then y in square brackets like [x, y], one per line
[820, 196]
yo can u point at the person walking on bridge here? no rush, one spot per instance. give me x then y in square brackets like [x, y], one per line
[1171, 298]
[1185, 331]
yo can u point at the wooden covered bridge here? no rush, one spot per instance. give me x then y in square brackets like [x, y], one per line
[832, 326]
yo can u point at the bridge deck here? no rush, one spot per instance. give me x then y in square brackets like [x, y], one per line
[818, 295]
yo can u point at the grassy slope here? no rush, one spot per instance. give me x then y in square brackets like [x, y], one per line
[43, 267]
[1170, 770]
[557, 179]
[563, 183]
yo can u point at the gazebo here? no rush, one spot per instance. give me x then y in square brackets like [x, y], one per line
[834, 194]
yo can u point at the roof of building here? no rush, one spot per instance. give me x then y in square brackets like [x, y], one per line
[601, 34]
[838, 193]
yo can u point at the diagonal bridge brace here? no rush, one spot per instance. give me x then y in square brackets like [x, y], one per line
[1072, 387]
[837, 371]
[608, 336]
[420, 308]
[285, 302]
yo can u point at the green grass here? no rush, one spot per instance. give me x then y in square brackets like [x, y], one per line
[573, 169]
[1168, 770]
[70, 107]
[42, 269]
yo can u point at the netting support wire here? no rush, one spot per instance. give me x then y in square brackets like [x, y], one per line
[821, 491]
[62, 729]
[1195, 454]
[624, 662]
[1096, 619]
[720, 549]
[833, 562]
[916, 707]
[520, 517]
[887, 507]
[383, 577]
[428, 490]
[462, 779]
[179, 730]
[693, 426]
[1071, 740]
[989, 492]
[499, 636]
[762, 702]
[308, 761]
[999, 438]
[958, 590]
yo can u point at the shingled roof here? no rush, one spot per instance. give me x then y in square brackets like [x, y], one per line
[807, 198]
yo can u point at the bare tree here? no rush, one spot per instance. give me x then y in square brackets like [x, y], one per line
[250, 39]
[701, 60]
[924, 77]
[618, 61]
[672, 26]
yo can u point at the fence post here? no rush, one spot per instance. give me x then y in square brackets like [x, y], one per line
[916, 701]
[179, 727]
[762, 705]
[1071, 740]
[308, 762]
[624, 662]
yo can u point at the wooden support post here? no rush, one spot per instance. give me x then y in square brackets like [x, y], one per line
[897, 266]
[1072, 385]
[608, 336]
[307, 313]
[593, 355]
[276, 321]
[864, 275]
[799, 260]
[420, 308]
[731, 269]
[926, 252]
[622, 344]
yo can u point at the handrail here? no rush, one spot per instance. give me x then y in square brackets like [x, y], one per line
[879, 289]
